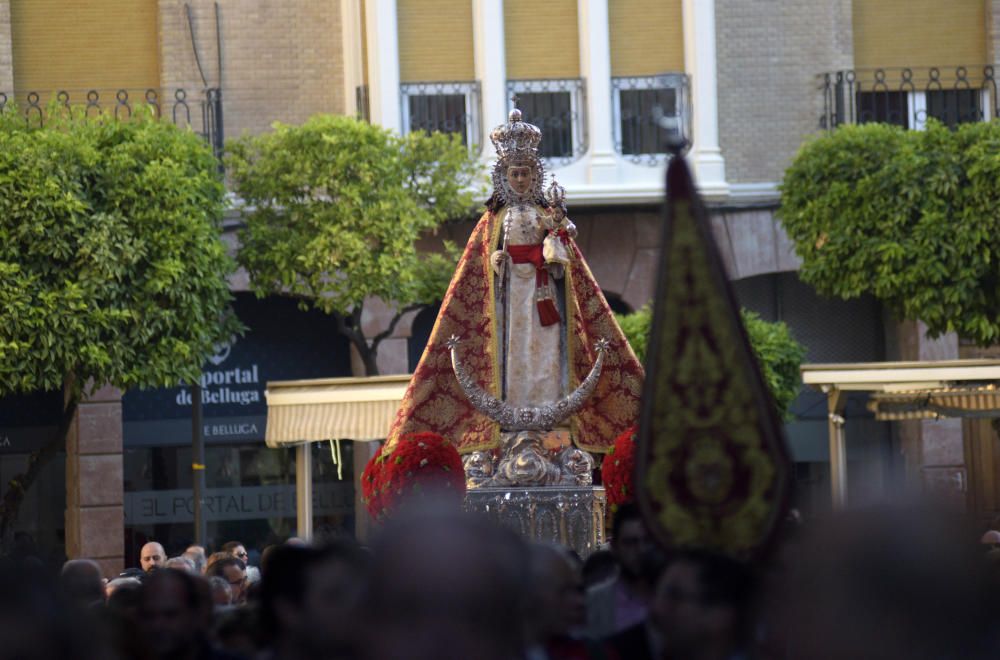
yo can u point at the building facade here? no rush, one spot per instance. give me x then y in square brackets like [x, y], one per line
[746, 81]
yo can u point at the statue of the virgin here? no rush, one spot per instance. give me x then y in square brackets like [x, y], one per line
[525, 342]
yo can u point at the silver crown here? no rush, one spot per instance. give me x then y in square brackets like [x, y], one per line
[516, 138]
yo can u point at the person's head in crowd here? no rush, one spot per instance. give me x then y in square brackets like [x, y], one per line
[37, 622]
[236, 630]
[152, 556]
[81, 581]
[181, 563]
[196, 554]
[117, 583]
[702, 606]
[212, 558]
[265, 556]
[629, 540]
[295, 540]
[557, 604]
[222, 593]
[171, 615]
[599, 566]
[233, 571]
[896, 582]
[236, 549]
[309, 600]
[446, 586]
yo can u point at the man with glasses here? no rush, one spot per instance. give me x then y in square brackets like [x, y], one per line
[238, 550]
[233, 571]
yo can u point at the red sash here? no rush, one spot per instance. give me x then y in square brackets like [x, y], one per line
[532, 254]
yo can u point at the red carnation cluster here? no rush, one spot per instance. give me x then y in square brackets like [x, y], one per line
[618, 469]
[421, 463]
[373, 482]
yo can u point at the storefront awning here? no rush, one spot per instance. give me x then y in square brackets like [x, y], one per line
[899, 391]
[332, 408]
[916, 390]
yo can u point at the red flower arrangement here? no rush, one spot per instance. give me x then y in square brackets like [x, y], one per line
[421, 463]
[373, 484]
[618, 469]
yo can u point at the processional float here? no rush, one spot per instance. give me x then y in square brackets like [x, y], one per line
[528, 375]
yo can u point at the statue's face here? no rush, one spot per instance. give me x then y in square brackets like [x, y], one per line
[520, 178]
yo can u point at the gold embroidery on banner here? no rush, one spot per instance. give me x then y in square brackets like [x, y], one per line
[706, 428]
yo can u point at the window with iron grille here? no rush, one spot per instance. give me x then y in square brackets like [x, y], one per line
[883, 106]
[909, 96]
[442, 107]
[556, 107]
[954, 106]
[642, 107]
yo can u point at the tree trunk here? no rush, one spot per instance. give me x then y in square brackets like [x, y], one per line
[18, 487]
[369, 357]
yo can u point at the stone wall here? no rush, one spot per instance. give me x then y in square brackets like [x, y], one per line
[280, 61]
[769, 56]
[6, 53]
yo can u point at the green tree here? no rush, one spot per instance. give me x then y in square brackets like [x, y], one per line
[777, 351]
[112, 267]
[334, 209]
[907, 216]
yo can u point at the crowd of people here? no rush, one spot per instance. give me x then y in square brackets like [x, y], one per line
[443, 585]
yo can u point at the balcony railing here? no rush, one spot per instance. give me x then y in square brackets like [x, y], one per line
[909, 96]
[200, 110]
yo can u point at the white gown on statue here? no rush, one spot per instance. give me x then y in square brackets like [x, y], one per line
[533, 352]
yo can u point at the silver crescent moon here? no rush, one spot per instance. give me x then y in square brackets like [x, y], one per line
[528, 418]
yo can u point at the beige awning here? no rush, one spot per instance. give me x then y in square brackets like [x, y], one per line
[916, 390]
[332, 408]
[899, 391]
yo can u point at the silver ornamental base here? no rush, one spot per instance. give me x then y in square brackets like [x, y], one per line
[572, 515]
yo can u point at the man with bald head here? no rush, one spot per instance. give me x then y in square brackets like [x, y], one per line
[152, 556]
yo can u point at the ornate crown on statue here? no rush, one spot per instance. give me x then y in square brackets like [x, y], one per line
[516, 139]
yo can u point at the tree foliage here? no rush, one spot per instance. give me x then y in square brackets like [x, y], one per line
[112, 267]
[335, 207]
[778, 353]
[907, 216]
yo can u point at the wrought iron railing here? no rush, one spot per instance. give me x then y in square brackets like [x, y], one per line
[201, 110]
[909, 96]
[642, 106]
[557, 107]
[448, 107]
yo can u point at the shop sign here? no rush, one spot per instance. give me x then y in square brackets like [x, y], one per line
[152, 507]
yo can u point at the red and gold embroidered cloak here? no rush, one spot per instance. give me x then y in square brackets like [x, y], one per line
[435, 402]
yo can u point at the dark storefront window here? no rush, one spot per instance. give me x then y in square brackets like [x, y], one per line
[250, 488]
[27, 423]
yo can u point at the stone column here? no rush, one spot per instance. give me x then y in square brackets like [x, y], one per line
[350, 34]
[383, 63]
[6, 49]
[934, 450]
[595, 67]
[491, 66]
[95, 518]
[700, 63]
